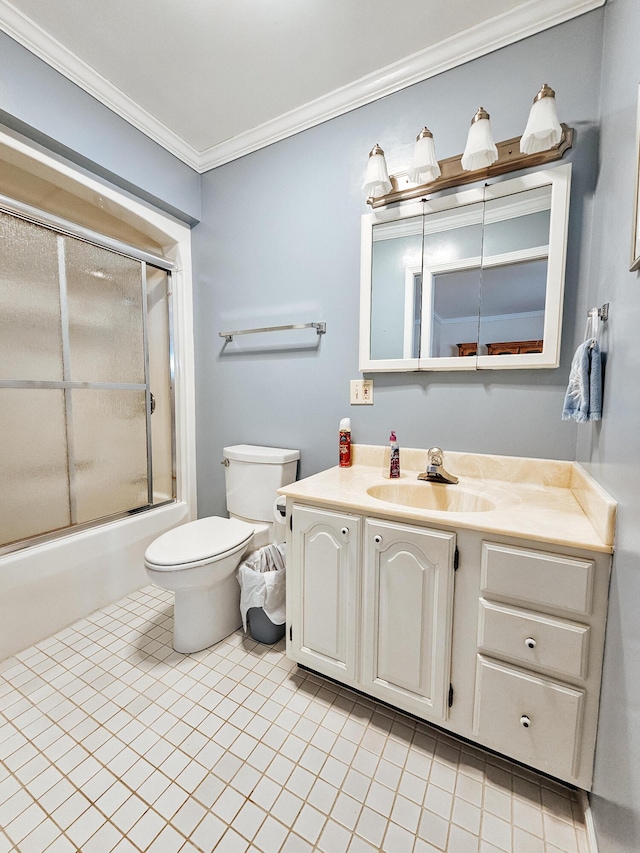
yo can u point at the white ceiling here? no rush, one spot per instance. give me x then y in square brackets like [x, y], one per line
[211, 80]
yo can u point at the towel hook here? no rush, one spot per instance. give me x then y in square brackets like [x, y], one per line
[594, 317]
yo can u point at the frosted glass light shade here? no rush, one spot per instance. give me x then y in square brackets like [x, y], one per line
[480, 150]
[424, 165]
[543, 130]
[376, 179]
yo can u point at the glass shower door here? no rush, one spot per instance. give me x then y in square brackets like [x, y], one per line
[78, 441]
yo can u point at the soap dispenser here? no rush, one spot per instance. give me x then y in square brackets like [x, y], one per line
[394, 457]
[391, 462]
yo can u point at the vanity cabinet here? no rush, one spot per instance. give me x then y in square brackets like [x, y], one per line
[501, 643]
[386, 629]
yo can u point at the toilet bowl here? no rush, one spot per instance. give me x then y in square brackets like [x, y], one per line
[197, 561]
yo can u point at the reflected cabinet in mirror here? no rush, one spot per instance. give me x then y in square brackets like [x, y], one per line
[471, 280]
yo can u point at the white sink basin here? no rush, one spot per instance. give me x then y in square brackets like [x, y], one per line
[434, 496]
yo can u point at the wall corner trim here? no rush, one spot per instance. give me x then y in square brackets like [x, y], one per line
[592, 843]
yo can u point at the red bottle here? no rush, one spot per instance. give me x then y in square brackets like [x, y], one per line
[345, 443]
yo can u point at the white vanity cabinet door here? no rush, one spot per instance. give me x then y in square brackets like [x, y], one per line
[322, 579]
[407, 612]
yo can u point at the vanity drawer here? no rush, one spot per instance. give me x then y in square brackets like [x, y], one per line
[537, 577]
[534, 639]
[533, 719]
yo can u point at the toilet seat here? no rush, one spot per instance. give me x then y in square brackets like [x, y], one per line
[197, 543]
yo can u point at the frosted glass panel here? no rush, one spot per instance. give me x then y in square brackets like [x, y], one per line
[104, 292]
[73, 313]
[110, 452]
[34, 497]
[160, 383]
[30, 336]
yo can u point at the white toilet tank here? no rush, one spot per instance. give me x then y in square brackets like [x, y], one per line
[253, 475]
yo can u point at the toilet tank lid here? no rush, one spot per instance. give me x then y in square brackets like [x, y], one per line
[256, 453]
[198, 540]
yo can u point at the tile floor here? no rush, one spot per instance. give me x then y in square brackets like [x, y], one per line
[111, 741]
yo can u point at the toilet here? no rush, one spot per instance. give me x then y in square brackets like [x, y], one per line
[197, 561]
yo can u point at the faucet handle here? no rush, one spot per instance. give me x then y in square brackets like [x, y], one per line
[435, 456]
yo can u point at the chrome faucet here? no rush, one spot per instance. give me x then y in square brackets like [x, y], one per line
[435, 472]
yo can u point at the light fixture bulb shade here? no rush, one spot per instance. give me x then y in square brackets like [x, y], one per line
[543, 130]
[480, 150]
[376, 179]
[424, 166]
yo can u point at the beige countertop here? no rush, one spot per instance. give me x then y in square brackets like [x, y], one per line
[539, 499]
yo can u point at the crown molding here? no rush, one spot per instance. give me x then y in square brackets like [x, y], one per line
[30, 35]
[520, 23]
[500, 31]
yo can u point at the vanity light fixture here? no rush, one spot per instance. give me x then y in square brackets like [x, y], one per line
[480, 151]
[544, 141]
[543, 129]
[424, 165]
[376, 179]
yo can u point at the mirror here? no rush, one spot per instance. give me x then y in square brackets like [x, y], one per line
[473, 280]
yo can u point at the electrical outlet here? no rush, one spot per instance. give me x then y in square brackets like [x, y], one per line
[362, 392]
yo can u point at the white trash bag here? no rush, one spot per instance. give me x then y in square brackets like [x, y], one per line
[262, 583]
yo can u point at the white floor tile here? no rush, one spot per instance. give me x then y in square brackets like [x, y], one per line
[112, 742]
[271, 836]
[371, 826]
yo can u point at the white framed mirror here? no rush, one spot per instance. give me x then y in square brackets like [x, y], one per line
[473, 280]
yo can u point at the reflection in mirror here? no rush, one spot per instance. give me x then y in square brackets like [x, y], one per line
[469, 280]
[451, 279]
[396, 288]
[455, 312]
[514, 273]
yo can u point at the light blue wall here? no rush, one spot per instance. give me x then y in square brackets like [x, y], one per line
[279, 242]
[611, 449]
[40, 103]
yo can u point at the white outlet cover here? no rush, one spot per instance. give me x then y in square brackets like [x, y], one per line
[361, 392]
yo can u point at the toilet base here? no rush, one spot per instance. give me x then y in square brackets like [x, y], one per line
[205, 615]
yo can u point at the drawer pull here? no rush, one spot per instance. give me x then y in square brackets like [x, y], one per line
[525, 722]
[530, 643]
[344, 531]
[377, 539]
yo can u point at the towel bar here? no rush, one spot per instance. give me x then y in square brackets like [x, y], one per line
[320, 328]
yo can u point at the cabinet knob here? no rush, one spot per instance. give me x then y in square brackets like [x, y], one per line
[530, 643]
[377, 539]
[344, 531]
[525, 722]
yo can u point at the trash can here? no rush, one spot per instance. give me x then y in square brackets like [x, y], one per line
[262, 593]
